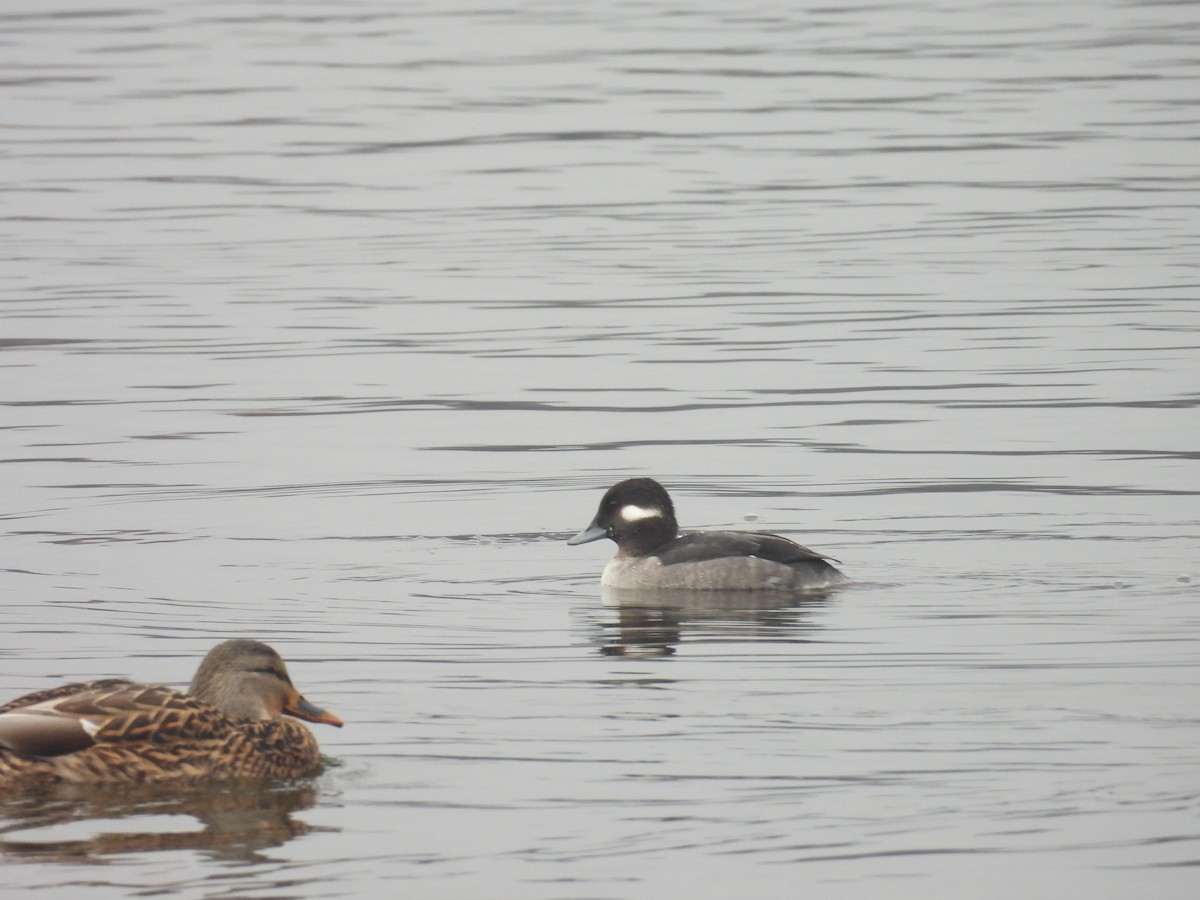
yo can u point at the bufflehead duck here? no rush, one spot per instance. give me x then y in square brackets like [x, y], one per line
[638, 516]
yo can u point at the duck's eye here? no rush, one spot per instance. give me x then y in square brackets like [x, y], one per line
[273, 672]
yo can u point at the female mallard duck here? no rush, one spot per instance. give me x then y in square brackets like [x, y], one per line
[228, 725]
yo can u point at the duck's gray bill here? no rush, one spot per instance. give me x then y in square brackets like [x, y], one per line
[592, 533]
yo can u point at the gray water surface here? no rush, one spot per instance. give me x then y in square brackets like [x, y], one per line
[326, 324]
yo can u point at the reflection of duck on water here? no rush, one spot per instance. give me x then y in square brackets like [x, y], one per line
[652, 623]
[228, 726]
[238, 822]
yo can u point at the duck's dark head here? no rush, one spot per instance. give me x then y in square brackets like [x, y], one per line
[637, 514]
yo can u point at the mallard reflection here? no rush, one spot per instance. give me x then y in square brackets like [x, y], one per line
[76, 823]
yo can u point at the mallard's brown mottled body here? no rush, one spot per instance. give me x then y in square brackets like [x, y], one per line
[121, 732]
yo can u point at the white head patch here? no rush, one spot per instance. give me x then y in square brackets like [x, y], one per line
[633, 513]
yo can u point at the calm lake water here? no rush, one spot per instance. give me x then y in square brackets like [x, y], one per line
[327, 323]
